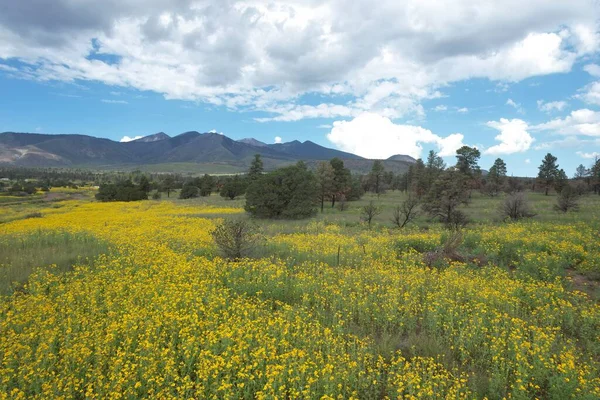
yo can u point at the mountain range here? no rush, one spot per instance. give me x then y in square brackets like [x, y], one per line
[163, 152]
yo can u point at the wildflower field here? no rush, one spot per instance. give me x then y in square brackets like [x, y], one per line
[326, 310]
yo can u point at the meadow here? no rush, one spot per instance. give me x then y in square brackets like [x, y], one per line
[132, 300]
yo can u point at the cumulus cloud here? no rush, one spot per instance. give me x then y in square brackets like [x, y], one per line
[278, 139]
[441, 107]
[590, 93]
[592, 155]
[513, 136]
[254, 55]
[374, 136]
[551, 106]
[129, 139]
[583, 122]
[592, 69]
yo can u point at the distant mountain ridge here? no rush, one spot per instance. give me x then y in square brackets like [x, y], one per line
[45, 150]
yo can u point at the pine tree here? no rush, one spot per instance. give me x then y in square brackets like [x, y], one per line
[256, 168]
[376, 177]
[325, 175]
[467, 158]
[342, 180]
[548, 171]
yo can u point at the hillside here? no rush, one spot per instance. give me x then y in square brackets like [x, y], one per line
[162, 152]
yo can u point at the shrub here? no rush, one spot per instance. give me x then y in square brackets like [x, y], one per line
[369, 212]
[568, 200]
[406, 212]
[516, 207]
[235, 239]
[189, 191]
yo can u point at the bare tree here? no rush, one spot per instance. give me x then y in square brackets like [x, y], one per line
[235, 239]
[406, 211]
[516, 207]
[568, 200]
[369, 212]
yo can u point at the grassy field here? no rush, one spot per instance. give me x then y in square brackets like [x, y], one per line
[140, 303]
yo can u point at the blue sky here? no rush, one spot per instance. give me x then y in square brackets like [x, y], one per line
[376, 81]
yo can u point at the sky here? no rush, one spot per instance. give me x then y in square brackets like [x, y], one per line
[515, 79]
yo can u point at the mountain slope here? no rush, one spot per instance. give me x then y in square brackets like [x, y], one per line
[42, 150]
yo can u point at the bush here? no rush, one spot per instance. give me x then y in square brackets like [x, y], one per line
[236, 239]
[156, 196]
[122, 191]
[189, 191]
[369, 212]
[568, 200]
[516, 207]
[406, 211]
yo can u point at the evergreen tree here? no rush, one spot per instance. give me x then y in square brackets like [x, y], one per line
[581, 172]
[206, 185]
[548, 171]
[168, 184]
[376, 177]
[420, 179]
[342, 179]
[325, 175]
[256, 168]
[467, 158]
[448, 192]
[434, 167]
[561, 181]
[145, 184]
[289, 192]
[497, 172]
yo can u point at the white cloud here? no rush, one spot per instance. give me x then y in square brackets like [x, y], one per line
[590, 93]
[592, 155]
[129, 139]
[441, 107]
[277, 139]
[592, 69]
[463, 110]
[583, 122]
[325, 126]
[260, 56]
[527, 161]
[374, 136]
[513, 136]
[551, 106]
[108, 101]
[516, 106]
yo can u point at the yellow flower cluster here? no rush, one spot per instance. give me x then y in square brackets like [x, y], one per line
[151, 319]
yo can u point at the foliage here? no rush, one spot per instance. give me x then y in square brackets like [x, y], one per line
[467, 158]
[121, 191]
[343, 183]
[256, 168]
[446, 195]
[233, 188]
[235, 238]
[497, 172]
[288, 192]
[376, 183]
[326, 184]
[516, 207]
[189, 191]
[548, 171]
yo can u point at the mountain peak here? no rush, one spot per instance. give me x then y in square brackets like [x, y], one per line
[153, 138]
[402, 157]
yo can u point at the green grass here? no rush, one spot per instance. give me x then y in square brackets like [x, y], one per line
[21, 256]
